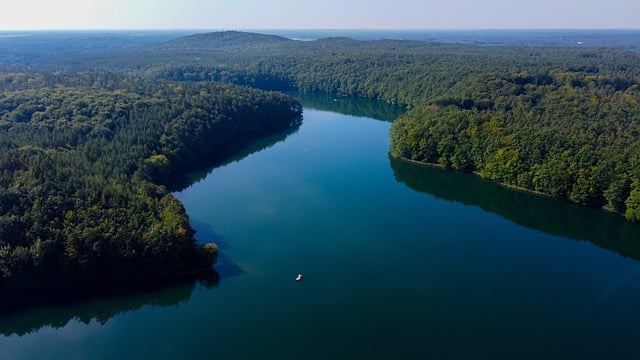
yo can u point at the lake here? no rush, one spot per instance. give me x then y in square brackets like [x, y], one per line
[399, 261]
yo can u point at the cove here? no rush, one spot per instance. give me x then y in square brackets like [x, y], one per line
[399, 261]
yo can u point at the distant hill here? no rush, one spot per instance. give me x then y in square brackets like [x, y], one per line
[226, 40]
[233, 45]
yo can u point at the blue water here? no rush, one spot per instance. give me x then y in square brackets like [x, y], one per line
[396, 265]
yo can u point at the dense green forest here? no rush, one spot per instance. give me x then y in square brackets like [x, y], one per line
[93, 139]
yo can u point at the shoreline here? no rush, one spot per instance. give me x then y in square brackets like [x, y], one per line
[475, 173]
[508, 186]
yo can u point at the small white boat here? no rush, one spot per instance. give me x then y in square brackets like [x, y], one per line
[299, 277]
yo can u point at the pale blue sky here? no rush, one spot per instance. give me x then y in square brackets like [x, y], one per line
[322, 14]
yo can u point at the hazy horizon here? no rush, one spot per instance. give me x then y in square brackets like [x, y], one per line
[399, 15]
[266, 30]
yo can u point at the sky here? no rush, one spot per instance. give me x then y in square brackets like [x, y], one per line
[321, 14]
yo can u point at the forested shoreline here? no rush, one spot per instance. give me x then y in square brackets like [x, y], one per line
[92, 141]
[571, 139]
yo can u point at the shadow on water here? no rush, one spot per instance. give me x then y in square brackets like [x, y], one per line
[230, 154]
[349, 105]
[99, 310]
[224, 266]
[606, 230]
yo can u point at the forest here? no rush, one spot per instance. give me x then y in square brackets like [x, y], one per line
[94, 140]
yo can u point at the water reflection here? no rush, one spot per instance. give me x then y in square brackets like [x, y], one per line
[99, 310]
[230, 154]
[349, 106]
[224, 265]
[551, 216]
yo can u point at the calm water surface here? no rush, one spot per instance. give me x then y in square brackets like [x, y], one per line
[399, 261]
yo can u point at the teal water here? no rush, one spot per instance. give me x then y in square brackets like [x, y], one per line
[399, 261]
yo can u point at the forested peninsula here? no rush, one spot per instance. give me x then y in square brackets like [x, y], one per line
[86, 172]
[93, 140]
